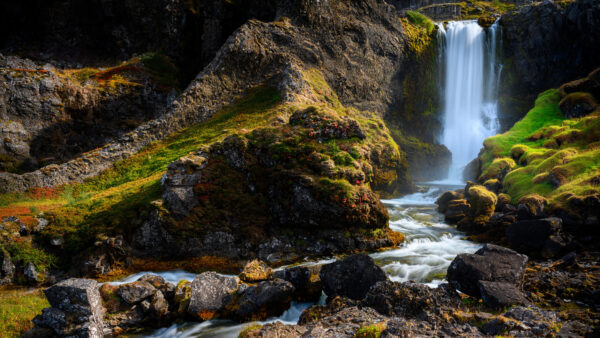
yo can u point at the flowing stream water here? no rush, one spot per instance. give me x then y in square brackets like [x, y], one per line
[468, 56]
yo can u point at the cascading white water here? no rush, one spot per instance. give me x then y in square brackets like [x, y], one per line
[470, 90]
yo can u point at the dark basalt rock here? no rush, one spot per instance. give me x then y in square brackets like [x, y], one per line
[351, 277]
[306, 281]
[491, 263]
[411, 300]
[499, 294]
[266, 299]
[531, 236]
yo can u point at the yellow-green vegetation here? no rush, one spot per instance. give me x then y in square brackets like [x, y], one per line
[498, 168]
[371, 331]
[248, 329]
[548, 154]
[476, 9]
[119, 199]
[482, 203]
[17, 309]
[421, 20]
[162, 71]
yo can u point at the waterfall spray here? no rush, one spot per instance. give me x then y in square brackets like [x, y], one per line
[470, 91]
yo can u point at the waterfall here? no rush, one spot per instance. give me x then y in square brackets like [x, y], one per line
[470, 90]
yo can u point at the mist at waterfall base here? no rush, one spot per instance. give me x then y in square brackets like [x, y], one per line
[470, 93]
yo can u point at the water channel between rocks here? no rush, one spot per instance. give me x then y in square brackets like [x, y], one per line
[424, 256]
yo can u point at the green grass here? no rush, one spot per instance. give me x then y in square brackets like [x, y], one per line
[17, 309]
[421, 20]
[545, 143]
[546, 112]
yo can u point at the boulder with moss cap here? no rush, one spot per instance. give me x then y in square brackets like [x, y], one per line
[256, 271]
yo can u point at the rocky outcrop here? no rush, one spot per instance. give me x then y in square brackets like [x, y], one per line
[76, 310]
[545, 45]
[351, 277]
[256, 53]
[491, 263]
[260, 193]
[50, 115]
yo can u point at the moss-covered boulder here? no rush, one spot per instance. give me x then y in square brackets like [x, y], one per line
[483, 203]
[456, 210]
[256, 271]
[497, 169]
[531, 206]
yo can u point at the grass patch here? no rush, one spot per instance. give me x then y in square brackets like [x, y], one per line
[420, 20]
[549, 154]
[17, 309]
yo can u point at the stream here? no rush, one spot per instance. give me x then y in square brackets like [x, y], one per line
[423, 257]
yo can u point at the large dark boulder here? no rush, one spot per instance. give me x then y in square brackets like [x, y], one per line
[211, 294]
[411, 300]
[500, 294]
[351, 277]
[306, 281]
[531, 236]
[490, 263]
[76, 309]
[266, 299]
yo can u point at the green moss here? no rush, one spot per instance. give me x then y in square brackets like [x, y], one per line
[497, 168]
[546, 112]
[23, 252]
[420, 20]
[483, 203]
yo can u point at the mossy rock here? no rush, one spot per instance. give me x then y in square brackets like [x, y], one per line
[483, 203]
[256, 271]
[503, 199]
[494, 185]
[486, 21]
[534, 203]
[498, 169]
[578, 104]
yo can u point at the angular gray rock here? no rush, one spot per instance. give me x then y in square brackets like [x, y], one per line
[490, 263]
[76, 309]
[211, 293]
[499, 295]
[351, 277]
[136, 292]
[7, 267]
[31, 273]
